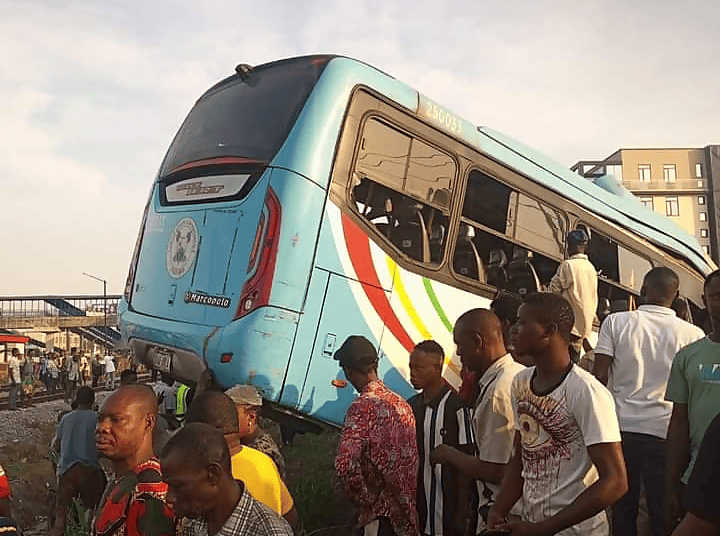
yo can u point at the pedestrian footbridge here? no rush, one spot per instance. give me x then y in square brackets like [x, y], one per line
[93, 317]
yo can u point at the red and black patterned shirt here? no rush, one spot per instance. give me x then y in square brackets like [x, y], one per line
[377, 458]
[135, 505]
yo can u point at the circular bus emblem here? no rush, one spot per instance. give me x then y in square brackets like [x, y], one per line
[182, 247]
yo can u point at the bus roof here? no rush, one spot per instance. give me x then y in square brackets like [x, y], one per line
[325, 110]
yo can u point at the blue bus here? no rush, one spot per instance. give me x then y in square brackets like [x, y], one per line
[312, 198]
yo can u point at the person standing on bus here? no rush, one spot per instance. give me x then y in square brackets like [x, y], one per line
[480, 344]
[576, 280]
[443, 492]
[377, 459]
[633, 356]
[567, 463]
[694, 390]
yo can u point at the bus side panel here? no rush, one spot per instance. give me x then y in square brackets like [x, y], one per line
[257, 350]
[305, 339]
[302, 208]
[341, 317]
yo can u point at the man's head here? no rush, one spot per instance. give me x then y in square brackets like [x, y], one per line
[247, 402]
[577, 242]
[196, 467]
[479, 339]
[15, 352]
[544, 320]
[359, 360]
[85, 396]
[711, 297]
[660, 286]
[426, 363]
[505, 307]
[216, 409]
[125, 423]
[128, 377]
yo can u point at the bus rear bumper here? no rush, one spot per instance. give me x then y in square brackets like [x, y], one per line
[179, 363]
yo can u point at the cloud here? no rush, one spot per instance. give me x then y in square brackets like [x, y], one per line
[93, 92]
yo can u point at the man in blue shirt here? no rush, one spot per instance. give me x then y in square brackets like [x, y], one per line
[79, 473]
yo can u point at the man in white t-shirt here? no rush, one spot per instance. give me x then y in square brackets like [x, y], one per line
[576, 280]
[478, 335]
[568, 464]
[109, 372]
[633, 357]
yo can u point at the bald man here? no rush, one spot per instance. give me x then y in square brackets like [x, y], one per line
[134, 503]
[255, 469]
[479, 339]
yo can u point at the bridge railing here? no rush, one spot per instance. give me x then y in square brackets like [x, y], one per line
[43, 306]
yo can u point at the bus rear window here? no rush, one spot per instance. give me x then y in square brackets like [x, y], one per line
[248, 118]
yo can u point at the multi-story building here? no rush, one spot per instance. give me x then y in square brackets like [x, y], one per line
[682, 184]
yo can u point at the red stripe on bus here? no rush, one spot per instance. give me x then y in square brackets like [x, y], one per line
[359, 251]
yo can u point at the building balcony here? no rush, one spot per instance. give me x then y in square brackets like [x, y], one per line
[662, 186]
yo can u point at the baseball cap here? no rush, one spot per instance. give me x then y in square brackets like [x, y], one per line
[578, 236]
[356, 352]
[244, 395]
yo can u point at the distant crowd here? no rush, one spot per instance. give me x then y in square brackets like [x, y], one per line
[548, 433]
[57, 371]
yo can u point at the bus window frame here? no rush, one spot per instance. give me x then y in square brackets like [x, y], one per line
[618, 243]
[514, 189]
[386, 245]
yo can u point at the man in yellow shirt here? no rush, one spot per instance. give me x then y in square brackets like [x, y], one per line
[255, 469]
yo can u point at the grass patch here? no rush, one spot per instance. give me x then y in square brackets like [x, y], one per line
[309, 465]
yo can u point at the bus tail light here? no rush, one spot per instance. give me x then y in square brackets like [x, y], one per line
[256, 292]
[130, 281]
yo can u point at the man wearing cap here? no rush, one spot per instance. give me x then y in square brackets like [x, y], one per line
[377, 458]
[248, 403]
[576, 280]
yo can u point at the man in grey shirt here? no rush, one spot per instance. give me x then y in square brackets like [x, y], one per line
[79, 473]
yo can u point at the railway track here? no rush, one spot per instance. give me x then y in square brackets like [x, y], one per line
[41, 395]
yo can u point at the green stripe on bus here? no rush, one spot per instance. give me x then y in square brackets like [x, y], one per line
[436, 304]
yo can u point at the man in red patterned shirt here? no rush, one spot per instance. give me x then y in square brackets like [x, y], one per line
[377, 458]
[134, 503]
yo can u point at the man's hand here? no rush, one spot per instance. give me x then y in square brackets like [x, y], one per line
[441, 454]
[494, 519]
[523, 528]
[672, 510]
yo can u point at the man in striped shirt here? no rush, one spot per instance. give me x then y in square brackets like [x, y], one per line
[441, 418]
[479, 339]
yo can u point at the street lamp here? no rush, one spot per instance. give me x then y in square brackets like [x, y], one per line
[104, 292]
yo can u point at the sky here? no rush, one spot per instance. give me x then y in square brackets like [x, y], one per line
[92, 93]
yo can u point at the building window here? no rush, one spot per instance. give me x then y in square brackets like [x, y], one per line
[701, 200]
[647, 200]
[644, 172]
[671, 206]
[703, 216]
[706, 249]
[698, 170]
[669, 173]
[704, 233]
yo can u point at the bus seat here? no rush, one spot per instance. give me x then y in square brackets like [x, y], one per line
[410, 235]
[437, 241]
[619, 305]
[496, 270]
[522, 277]
[467, 261]
[603, 309]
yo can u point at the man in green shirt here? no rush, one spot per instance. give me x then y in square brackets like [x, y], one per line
[694, 389]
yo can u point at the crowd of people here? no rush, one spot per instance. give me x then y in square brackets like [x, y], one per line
[548, 434]
[56, 371]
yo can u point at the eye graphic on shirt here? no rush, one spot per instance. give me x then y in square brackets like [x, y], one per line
[532, 434]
